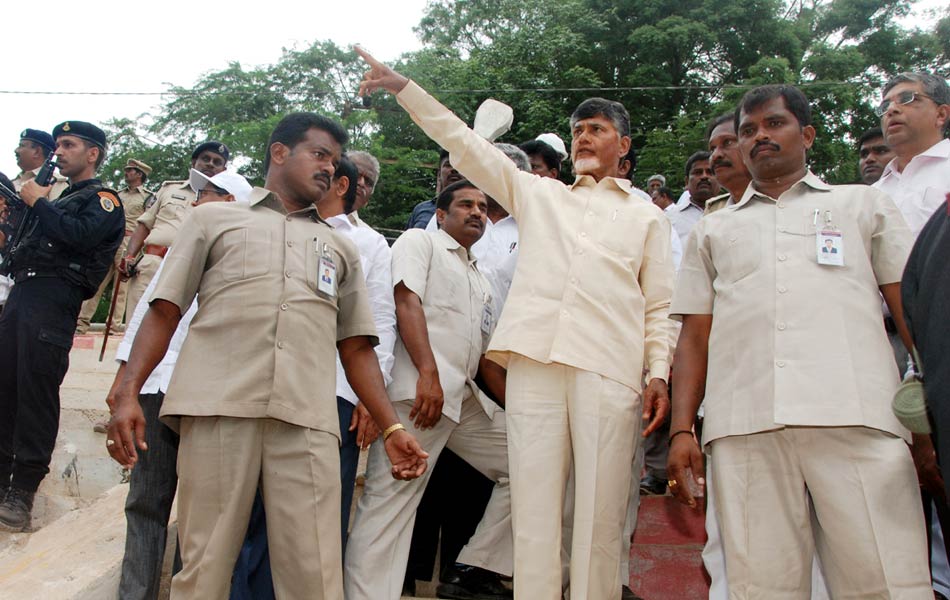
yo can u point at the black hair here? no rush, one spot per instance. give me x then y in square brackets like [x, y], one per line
[609, 109]
[795, 102]
[723, 118]
[293, 128]
[695, 158]
[665, 191]
[870, 134]
[443, 156]
[346, 168]
[448, 194]
[102, 151]
[632, 157]
[549, 155]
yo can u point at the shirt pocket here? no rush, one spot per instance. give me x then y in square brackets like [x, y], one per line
[621, 233]
[246, 254]
[738, 253]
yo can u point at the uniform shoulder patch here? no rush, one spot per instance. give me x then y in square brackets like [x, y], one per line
[108, 201]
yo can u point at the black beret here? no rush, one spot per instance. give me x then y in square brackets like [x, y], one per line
[213, 146]
[39, 137]
[81, 129]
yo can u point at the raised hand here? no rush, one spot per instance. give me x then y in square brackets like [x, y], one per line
[379, 76]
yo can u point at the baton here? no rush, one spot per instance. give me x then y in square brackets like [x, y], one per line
[116, 282]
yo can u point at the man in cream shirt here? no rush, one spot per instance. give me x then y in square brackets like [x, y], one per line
[588, 305]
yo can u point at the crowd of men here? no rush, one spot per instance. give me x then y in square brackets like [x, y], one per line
[509, 362]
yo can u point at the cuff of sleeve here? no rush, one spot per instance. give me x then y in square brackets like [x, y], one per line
[410, 94]
[659, 369]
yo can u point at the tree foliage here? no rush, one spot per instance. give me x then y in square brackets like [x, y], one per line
[673, 63]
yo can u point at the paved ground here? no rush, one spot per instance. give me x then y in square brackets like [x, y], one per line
[666, 561]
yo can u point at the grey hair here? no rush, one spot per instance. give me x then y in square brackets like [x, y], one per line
[359, 155]
[934, 86]
[516, 155]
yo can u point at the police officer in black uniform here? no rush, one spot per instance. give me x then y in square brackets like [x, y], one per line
[58, 265]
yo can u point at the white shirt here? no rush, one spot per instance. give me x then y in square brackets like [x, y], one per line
[376, 260]
[676, 245]
[158, 379]
[684, 218]
[922, 187]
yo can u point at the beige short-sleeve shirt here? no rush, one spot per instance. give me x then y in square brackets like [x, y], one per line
[795, 342]
[59, 184]
[164, 218]
[263, 341]
[133, 201]
[594, 276]
[457, 303]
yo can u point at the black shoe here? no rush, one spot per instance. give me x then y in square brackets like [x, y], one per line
[464, 582]
[652, 485]
[409, 586]
[627, 594]
[15, 510]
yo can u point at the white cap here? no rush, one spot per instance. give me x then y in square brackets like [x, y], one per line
[226, 180]
[551, 139]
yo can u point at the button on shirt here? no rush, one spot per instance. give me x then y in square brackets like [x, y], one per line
[166, 215]
[161, 375]
[435, 267]
[263, 342]
[794, 342]
[594, 277]
[376, 262]
[922, 187]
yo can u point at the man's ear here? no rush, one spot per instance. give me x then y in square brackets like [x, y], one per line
[439, 217]
[279, 153]
[808, 133]
[342, 184]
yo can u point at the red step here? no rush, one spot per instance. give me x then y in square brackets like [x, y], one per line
[666, 559]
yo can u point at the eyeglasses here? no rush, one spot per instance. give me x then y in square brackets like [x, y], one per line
[904, 98]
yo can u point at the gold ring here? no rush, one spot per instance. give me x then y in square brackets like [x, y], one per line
[110, 442]
[671, 483]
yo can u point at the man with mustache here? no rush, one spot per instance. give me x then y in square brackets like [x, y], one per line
[252, 394]
[587, 310]
[873, 155]
[60, 262]
[444, 318]
[158, 226]
[35, 145]
[422, 213]
[792, 446]
[702, 185]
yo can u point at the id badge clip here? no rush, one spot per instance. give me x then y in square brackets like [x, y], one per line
[488, 317]
[829, 243]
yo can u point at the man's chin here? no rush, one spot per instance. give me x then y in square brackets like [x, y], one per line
[586, 165]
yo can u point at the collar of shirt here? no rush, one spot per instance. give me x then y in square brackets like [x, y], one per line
[340, 221]
[451, 244]
[940, 150]
[28, 174]
[587, 181]
[810, 179]
[688, 206]
[269, 199]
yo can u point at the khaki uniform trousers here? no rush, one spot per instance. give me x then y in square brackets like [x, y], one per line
[221, 463]
[378, 547]
[559, 416]
[849, 492]
[89, 306]
[145, 271]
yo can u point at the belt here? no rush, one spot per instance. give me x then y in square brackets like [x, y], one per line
[155, 250]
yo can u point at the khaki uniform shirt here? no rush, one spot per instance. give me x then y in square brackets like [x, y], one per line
[60, 183]
[794, 342]
[455, 297]
[133, 200]
[595, 274]
[263, 341]
[716, 203]
[168, 212]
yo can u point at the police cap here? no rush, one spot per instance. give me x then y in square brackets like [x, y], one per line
[137, 164]
[40, 137]
[213, 146]
[81, 129]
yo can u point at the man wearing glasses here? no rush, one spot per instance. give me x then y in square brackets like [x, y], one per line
[915, 114]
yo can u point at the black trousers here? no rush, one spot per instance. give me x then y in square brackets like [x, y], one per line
[36, 334]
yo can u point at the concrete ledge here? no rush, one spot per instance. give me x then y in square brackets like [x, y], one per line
[76, 557]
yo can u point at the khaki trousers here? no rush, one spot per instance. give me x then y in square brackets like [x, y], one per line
[559, 416]
[378, 547]
[145, 270]
[221, 462]
[89, 306]
[849, 492]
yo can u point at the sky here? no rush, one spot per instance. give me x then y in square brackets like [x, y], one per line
[115, 47]
[112, 46]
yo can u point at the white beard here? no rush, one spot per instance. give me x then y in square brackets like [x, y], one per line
[586, 164]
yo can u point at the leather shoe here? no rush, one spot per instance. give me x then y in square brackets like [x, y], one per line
[15, 510]
[465, 582]
[627, 594]
[652, 485]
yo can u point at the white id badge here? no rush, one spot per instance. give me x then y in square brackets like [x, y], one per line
[829, 246]
[487, 318]
[326, 274]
